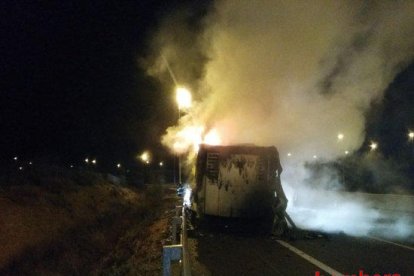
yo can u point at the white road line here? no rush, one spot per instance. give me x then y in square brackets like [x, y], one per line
[311, 259]
[394, 243]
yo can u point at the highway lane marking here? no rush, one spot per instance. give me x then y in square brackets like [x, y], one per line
[394, 243]
[310, 259]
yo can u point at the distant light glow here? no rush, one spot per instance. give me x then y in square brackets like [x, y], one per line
[161, 164]
[411, 135]
[71, 166]
[340, 136]
[289, 154]
[15, 158]
[30, 163]
[346, 152]
[86, 160]
[118, 165]
[20, 168]
[373, 146]
[183, 97]
[145, 157]
[315, 157]
[94, 161]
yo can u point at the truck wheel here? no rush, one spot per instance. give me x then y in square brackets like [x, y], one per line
[279, 227]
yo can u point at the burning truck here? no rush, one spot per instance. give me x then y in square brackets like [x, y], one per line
[240, 181]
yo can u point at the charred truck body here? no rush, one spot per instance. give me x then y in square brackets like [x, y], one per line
[239, 181]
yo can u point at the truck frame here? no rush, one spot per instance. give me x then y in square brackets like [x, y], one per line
[238, 181]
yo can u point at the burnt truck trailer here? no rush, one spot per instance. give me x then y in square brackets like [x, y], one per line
[238, 181]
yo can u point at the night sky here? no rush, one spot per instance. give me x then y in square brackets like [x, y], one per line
[71, 85]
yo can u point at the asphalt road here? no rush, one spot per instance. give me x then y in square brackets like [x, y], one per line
[227, 250]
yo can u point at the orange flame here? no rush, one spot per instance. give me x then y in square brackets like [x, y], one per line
[190, 137]
[212, 138]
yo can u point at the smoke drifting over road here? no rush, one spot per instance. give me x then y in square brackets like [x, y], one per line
[294, 74]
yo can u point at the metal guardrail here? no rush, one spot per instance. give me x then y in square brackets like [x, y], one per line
[177, 251]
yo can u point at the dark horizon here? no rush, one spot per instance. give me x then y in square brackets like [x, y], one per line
[71, 84]
[72, 87]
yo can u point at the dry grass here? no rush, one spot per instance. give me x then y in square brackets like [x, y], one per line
[66, 226]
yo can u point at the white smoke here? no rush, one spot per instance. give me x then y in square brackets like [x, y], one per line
[295, 74]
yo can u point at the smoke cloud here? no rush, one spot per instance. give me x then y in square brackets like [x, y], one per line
[294, 74]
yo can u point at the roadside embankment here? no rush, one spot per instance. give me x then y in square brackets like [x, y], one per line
[67, 228]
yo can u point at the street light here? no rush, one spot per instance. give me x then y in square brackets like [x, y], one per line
[373, 146]
[340, 137]
[145, 157]
[183, 98]
[411, 135]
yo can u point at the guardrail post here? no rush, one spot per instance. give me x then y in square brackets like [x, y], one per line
[170, 253]
[186, 258]
[175, 223]
[178, 210]
[175, 251]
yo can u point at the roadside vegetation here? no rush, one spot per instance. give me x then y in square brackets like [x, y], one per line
[75, 222]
